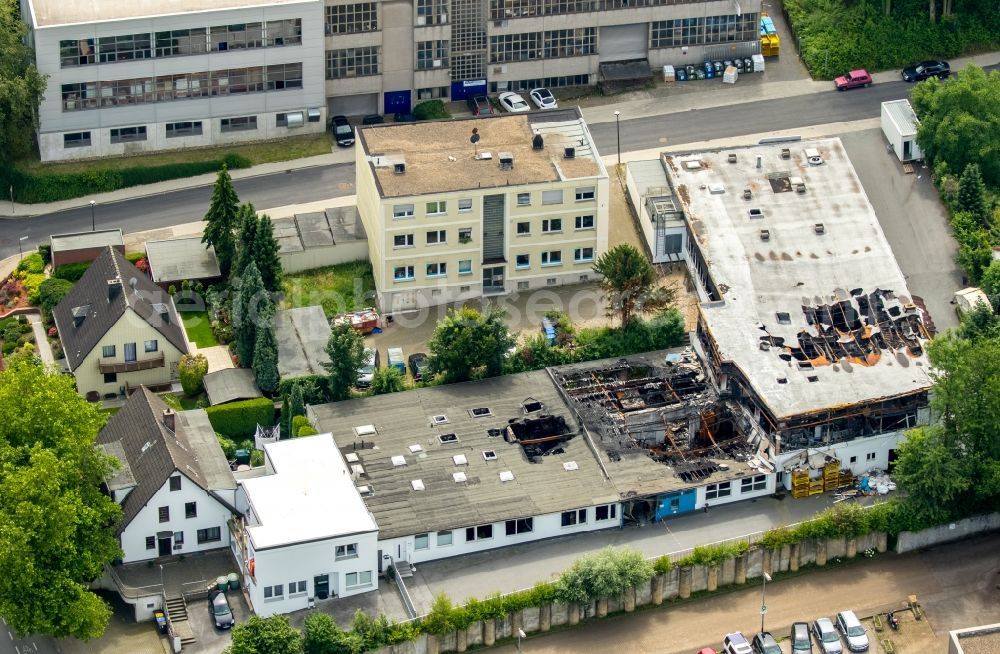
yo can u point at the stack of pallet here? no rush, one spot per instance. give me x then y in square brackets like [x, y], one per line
[800, 483]
[831, 475]
[770, 43]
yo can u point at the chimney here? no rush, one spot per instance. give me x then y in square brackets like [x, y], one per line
[538, 143]
[168, 419]
[114, 289]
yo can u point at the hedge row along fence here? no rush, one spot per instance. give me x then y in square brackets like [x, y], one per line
[31, 187]
[239, 420]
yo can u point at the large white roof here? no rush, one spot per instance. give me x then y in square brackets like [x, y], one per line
[309, 497]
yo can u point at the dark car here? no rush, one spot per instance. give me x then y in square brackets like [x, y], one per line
[218, 609]
[479, 105]
[402, 117]
[801, 642]
[764, 643]
[852, 80]
[418, 365]
[372, 119]
[343, 133]
[926, 69]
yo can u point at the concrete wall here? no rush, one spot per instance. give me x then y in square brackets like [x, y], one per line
[955, 637]
[64, 257]
[293, 262]
[909, 541]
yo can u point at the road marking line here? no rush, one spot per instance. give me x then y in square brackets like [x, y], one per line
[35, 645]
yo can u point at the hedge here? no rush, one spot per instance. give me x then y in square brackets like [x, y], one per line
[313, 388]
[38, 186]
[431, 110]
[240, 419]
[32, 263]
[71, 271]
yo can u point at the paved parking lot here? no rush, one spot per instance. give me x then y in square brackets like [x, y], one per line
[210, 640]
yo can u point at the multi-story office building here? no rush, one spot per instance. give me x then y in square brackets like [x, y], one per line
[129, 77]
[460, 209]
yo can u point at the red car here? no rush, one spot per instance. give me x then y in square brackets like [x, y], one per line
[853, 80]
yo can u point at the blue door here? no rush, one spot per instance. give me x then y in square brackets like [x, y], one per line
[675, 503]
[397, 102]
[467, 89]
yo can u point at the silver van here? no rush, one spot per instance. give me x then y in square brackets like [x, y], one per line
[367, 371]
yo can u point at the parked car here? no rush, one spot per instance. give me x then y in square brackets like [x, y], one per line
[853, 631]
[402, 117]
[218, 609]
[367, 371]
[342, 131]
[543, 98]
[736, 643]
[479, 105]
[801, 642]
[853, 80]
[394, 359]
[826, 636]
[372, 119]
[764, 643]
[925, 69]
[706, 650]
[418, 365]
[513, 102]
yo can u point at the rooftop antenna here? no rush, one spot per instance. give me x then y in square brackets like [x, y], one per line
[474, 139]
[133, 282]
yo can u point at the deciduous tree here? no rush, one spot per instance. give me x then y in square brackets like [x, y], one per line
[630, 284]
[221, 219]
[273, 635]
[192, 370]
[387, 380]
[468, 344]
[346, 350]
[21, 86]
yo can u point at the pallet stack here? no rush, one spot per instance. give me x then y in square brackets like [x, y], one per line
[831, 476]
[800, 483]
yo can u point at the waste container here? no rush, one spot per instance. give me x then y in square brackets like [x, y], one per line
[161, 621]
[222, 583]
[243, 457]
[234, 581]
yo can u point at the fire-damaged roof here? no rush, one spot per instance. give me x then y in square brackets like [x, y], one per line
[809, 304]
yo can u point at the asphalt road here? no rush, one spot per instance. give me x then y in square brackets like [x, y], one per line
[30, 645]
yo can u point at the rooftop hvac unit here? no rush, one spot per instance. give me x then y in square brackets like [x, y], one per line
[786, 153]
[765, 235]
[506, 160]
[537, 143]
[820, 228]
[569, 153]
[399, 168]
[813, 157]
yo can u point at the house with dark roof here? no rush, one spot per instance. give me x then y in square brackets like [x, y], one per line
[174, 483]
[118, 329]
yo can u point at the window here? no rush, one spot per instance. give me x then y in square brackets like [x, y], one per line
[714, 491]
[584, 222]
[108, 351]
[126, 134]
[482, 532]
[432, 54]
[352, 62]
[437, 208]
[76, 140]
[402, 241]
[465, 267]
[465, 235]
[421, 542]
[110, 377]
[515, 47]
[548, 82]
[437, 269]
[755, 483]
[585, 194]
[870, 456]
[523, 229]
[130, 352]
[403, 273]
[520, 526]
[437, 237]
[178, 539]
[570, 42]
[240, 36]
[182, 42]
[523, 199]
[242, 123]
[187, 128]
[296, 588]
[274, 592]
[283, 32]
[357, 579]
[150, 346]
[522, 286]
[606, 512]
[570, 518]
[522, 261]
[150, 542]
[402, 211]
[164, 512]
[125, 47]
[210, 535]
[349, 19]
[705, 29]
[432, 12]
[465, 205]
[583, 254]
[349, 551]
[77, 52]
[552, 197]
[190, 509]
[551, 225]
[444, 538]
[175, 483]
[552, 258]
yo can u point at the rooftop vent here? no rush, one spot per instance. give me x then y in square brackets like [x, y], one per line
[813, 157]
[357, 470]
[786, 153]
[813, 378]
[782, 380]
[570, 466]
[819, 228]
[569, 153]
[506, 160]
[765, 235]
[398, 461]
[756, 213]
[747, 194]
[489, 455]
[79, 313]
[480, 412]
[365, 430]
[783, 318]
[351, 457]
[530, 405]
[484, 156]
[765, 346]
[800, 188]
[417, 484]
[448, 438]
[460, 460]
[164, 312]
[366, 491]
[716, 188]
[399, 168]
[692, 165]
[439, 419]
[506, 475]
[732, 157]
[416, 448]
[459, 477]
[114, 289]
[537, 143]
[760, 161]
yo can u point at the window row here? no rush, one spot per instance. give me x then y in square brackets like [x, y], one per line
[352, 19]
[543, 45]
[176, 43]
[171, 130]
[548, 82]
[432, 12]
[554, 258]
[554, 225]
[431, 270]
[432, 54]
[209, 535]
[166, 88]
[433, 237]
[109, 351]
[516, 526]
[190, 508]
[277, 591]
[703, 30]
[352, 62]
[502, 9]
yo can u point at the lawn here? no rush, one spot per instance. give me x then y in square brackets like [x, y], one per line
[199, 328]
[338, 289]
[181, 402]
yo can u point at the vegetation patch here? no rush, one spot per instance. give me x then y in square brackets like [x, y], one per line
[198, 328]
[338, 289]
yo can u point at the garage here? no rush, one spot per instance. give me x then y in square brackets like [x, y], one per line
[354, 105]
[623, 42]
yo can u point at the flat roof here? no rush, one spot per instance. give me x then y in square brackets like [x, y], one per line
[439, 156]
[49, 13]
[85, 240]
[317, 229]
[902, 116]
[177, 259]
[309, 497]
[231, 384]
[568, 477]
[302, 334]
[824, 255]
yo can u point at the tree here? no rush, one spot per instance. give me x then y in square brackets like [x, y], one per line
[346, 350]
[246, 216]
[975, 254]
[980, 322]
[932, 475]
[192, 369]
[286, 417]
[604, 574]
[221, 221]
[58, 528]
[265, 251]
[990, 283]
[387, 380]
[470, 345]
[250, 305]
[630, 283]
[265, 360]
[21, 86]
[297, 406]
[52, 291]
[972, 194]
[321, 635]
[273, 635]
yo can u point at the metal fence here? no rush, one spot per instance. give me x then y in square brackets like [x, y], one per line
[405, 595]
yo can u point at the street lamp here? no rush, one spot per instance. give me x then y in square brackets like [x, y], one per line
[763, 606]
[93, 222]
[618, 136]
[520, 635]
[20, 254]
[163, 590]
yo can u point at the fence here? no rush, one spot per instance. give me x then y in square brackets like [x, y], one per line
[133, 592]
[405, 595]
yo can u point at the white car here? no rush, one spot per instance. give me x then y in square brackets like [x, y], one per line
[543, 99]
[513, 102]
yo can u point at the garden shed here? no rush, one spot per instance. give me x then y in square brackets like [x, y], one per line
[172, 261]
[230, 385]
[84, 246]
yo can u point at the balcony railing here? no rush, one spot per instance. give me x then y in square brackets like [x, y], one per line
[107, 366]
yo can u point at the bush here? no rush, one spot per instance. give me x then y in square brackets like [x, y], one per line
[240, 419]
[71, 271]
[32, 284]
[663, 565]
[307, 430]
[387, 380]
[608, 573]
[134, 257]
[711, 555]
[45, 249]
[32, 263]
[440, 619]
[228, 446]
[52, 291]
[313, 388]
[192, 370]
[431, 110]
[298, 422]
